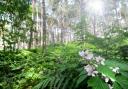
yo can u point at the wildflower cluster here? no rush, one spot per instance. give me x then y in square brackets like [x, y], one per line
[93, 62]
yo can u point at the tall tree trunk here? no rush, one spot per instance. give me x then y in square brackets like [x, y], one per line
[31, 30]
[30, 39]
[32, 33]
[62, 28]
[41, 29]
[61, 35]
[37, 26]
[94, 25]
[44, 25]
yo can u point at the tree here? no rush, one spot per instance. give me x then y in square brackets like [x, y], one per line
[44, 24]
[14, 14]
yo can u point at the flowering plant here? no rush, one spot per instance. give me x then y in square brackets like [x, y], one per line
[93, 62]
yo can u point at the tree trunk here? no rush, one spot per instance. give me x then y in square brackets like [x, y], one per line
[94, 25]
[30, 39]
[44, 25]
[31, 30]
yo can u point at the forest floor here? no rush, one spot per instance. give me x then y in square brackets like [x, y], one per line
[27, 69]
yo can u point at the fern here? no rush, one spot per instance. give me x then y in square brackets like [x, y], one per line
[80, 80]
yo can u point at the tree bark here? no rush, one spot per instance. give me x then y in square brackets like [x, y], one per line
[44, 25]
[31, 39]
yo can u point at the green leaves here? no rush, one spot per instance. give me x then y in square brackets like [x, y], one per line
[80, 80]
[119, 81]
[60, 68]
[97, 83]
[43, 84]
[107, 72]
[15, 20]
[113, 63]
[123, 81]
[116, 86]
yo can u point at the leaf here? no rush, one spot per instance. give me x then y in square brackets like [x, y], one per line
[116, 86]
[66, 84]
[106, 71]
[56, 81]
[45, 83]
[38, 86]
[97, 83]
[82, 71]
[80, 80]
[124, 73]
[60, 82]
[123, 81]
[111, 63]
[52, 82]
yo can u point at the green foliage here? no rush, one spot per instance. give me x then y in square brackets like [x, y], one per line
[60, 67]
[118, 81]
[81, 29]
[105, 70]
[66, 78]
[116, 86]
[114, 63]
[17, 67]
[122, 81]
[65, 71]
[97, 83]
[123, 51]
[30, 68]
[15, 22]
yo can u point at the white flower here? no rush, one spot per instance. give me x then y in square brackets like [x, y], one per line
[110, 87]
[116, 69]
[89, 57]
[90, 70]
[94, 73]
[106, 79]
[102, 63]
[100, 60]
[87, 52]
[86, 55]
[82, 53]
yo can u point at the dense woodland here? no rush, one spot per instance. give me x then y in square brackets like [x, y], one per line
[63, 44]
